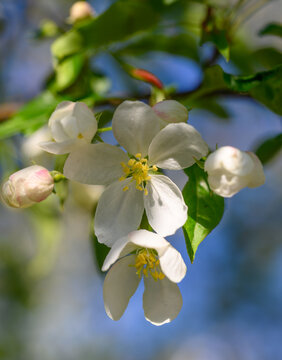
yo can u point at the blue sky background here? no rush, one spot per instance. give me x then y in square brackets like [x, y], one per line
[231, 294]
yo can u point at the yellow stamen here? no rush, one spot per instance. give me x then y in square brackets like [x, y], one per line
[147, 262]
[138, 169]
[80, 136]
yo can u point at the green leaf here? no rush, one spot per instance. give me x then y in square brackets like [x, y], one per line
[269, 148]
[268, 57]
[272, 29]
[265, 86]
[120, 21]
[68, 71]
[68, 44]
[31, 116]
[219, 39]
[205, 209]
[181, 44]
[100, 251]
[213, 81]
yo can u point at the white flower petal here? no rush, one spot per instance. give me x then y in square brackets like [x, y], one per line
[176, 146]
[97, 164]
[162, 300]
[171, 111]
[58, 148]
[172, 264]
[86, 121]
[226, 184]
[147, 239]
[257, 178]
[228, 158]
[118, 212]
[72, 119]
[120, 284]
[134, 126]
[165, 206]
[120, 248]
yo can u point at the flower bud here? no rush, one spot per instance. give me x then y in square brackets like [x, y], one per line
[80, 10]
[71, 124]
[27, 187]
[146, 76]
[171, 111]
[230, 170]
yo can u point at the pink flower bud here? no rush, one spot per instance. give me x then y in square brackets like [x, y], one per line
[230, 170]
[171, 111]
[27, 187]
[80, 10]
[146, 76]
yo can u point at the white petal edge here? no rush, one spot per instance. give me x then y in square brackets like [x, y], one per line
[58, 148]
[136, 239]
[176, 147]
[95, 164]
[162, 301]
[164, 205]
[258, 177]
[120, 284]
[134, 126]
[172, 264]
[118, 212]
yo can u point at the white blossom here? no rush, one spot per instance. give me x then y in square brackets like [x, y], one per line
[230, 170]
[27, 187]
[143, 254]
[132, 179]
[72, 125]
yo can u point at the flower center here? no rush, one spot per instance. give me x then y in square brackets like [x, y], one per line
[146, 262]
[138, 169]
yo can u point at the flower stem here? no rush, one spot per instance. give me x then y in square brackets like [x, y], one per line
[104, 129]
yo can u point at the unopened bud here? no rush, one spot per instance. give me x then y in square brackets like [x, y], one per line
[171, 111]
[80, 10]
[27, 187]
[146, 76]
[230, 170]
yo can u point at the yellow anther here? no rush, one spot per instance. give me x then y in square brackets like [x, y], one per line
[131, 162]
[80, 136]
[138, 170]
[125, 188]
[155, 168]
[146, 262]
[155, 275]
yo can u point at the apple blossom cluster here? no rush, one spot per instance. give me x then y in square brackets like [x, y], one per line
[150, 141]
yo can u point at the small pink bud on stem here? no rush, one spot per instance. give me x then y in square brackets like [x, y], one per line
[81, 10]
[27, 187]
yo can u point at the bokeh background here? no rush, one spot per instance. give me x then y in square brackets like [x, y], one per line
[51, 304]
